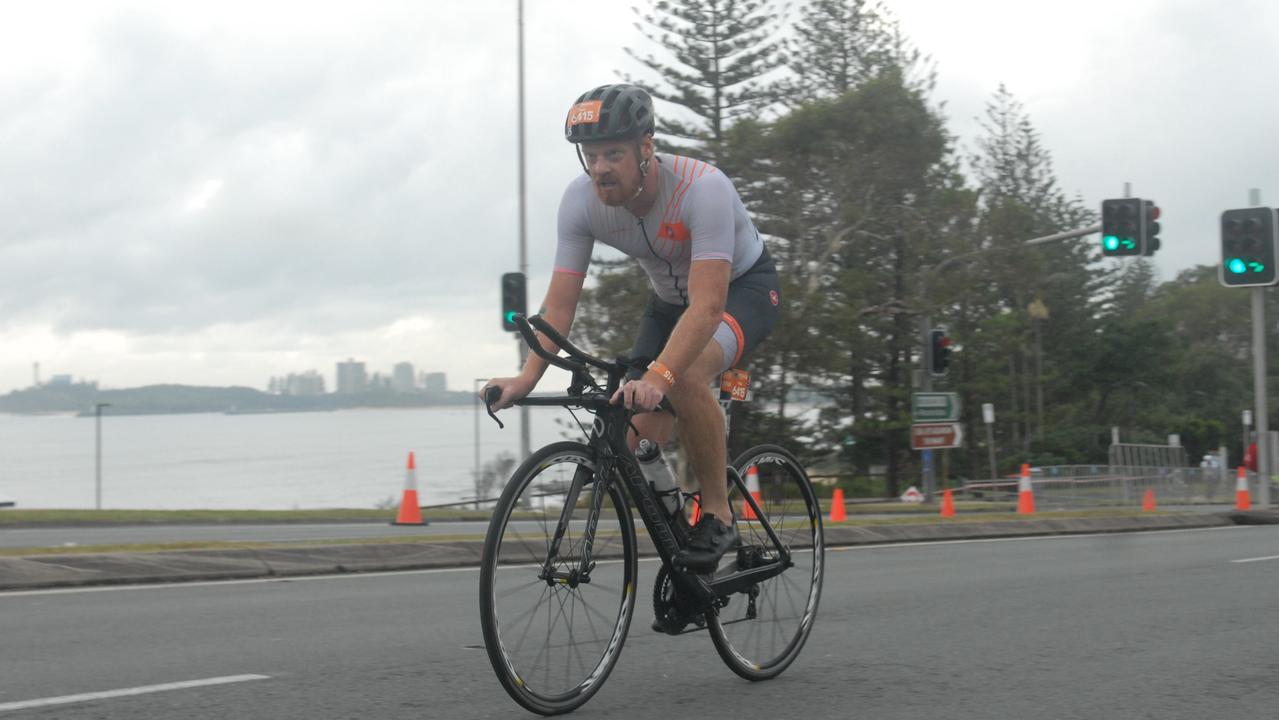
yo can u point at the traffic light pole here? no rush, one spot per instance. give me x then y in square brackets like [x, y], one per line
[1259, 394]
[928, 474]
[1259, 399]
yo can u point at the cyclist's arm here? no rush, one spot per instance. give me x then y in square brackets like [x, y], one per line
[558, 309]
[709, 215]
[707, 291]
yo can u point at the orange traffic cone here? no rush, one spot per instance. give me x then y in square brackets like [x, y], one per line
[410, 513]
[837, 512]
[1242, 500]
[1148, 500]
[947, 504]
[1025, 493]
[752, 486]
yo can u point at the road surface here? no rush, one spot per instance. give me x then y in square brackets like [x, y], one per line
[1160, 625]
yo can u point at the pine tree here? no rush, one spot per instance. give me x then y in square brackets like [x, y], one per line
[840, 44]
[723, 51]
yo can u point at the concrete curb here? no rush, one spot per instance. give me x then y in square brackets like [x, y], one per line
[1255, 517]
[54, 571]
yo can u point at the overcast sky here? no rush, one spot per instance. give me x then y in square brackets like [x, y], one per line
[215, 193]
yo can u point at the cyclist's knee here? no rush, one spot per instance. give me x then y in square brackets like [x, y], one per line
[705, 369]
[655, 427]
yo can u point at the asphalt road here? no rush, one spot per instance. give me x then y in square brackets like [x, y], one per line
[1135, 625]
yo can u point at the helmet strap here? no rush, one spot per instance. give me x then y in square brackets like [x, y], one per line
[643, 168]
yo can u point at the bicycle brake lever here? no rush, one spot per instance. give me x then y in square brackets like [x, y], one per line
[491, 395]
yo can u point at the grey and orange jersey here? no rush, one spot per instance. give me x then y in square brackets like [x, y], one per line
[697, 216]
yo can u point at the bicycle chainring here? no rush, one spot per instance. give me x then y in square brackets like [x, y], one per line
[672, 612]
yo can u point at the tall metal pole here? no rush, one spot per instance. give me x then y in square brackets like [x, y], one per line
[1259, 381]
[523, 349]
[476, 471]
[926, 380]
[97, 454]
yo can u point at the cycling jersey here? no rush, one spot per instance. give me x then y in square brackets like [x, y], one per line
[697, 216]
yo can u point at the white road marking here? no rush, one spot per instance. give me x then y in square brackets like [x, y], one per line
[889, 546]
[221, 583]
[1257, 559]
[126, 692]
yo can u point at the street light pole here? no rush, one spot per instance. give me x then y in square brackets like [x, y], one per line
[97, 454]
[523, 349]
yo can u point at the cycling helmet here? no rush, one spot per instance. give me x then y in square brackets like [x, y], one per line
[609, 112]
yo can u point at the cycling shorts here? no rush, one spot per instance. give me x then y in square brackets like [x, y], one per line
[750, 312]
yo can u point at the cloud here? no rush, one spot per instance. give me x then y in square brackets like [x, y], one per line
[220, 192]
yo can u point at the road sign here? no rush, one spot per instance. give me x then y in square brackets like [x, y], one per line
[934, 407]
[934, 436]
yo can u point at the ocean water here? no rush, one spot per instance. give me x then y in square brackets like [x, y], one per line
[347, 458]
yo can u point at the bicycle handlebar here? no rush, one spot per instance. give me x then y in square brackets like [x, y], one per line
[576, 360]
[575, 363]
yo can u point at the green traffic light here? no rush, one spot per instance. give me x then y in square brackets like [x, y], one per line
[1110, 242]
[510, 316]
[1237, 266]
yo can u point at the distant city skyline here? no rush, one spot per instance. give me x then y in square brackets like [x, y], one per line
[350, 376]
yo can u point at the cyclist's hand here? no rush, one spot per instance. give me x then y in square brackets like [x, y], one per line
[513, 388]
[638, 395]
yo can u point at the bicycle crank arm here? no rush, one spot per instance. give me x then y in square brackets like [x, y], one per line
[742, 580]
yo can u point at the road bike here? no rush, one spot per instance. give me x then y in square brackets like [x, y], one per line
[560, 566]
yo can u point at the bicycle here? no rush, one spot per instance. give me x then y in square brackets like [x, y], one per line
[562, 538]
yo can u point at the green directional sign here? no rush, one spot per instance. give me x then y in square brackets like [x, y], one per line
[934, 407]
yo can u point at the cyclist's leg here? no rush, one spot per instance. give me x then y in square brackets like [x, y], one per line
[750, 311]
[701, 428]
[655, 328]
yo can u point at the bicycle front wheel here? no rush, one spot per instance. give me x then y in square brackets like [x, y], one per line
[760, 631]
[554, 628]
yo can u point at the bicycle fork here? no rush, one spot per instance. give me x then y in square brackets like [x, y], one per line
[582, 572]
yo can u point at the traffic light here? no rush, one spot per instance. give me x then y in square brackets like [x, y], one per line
[1123, 227]
[938, 352]
[514, 300]
[1248, 240]
[1150, 232]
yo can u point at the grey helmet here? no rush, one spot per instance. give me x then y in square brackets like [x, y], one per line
[609, 112]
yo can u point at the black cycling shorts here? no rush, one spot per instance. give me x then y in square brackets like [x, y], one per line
[750, 312]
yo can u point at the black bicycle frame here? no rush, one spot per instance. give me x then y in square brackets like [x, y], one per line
[612, 452]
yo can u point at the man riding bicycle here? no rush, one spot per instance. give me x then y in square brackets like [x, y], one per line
[715, 289]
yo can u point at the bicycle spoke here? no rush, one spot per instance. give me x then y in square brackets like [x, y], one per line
[507, 593]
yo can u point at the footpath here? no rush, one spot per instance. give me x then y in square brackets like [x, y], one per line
[87, 569]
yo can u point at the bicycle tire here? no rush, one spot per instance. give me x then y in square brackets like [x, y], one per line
[579, 621]
[785, 606]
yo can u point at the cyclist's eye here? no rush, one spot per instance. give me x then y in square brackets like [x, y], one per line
[615, 156]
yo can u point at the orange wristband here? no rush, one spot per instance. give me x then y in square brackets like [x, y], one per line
[663, 371]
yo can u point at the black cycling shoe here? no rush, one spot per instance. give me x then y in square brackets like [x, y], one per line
[709, 541]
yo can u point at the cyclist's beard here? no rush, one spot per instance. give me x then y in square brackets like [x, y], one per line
[615, 191]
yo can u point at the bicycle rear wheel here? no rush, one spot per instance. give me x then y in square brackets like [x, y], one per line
[760, 632]
[553, 639]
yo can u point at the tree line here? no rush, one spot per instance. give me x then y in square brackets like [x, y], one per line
[825, 118]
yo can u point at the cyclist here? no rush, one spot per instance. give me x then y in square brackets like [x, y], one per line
[715, 289]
